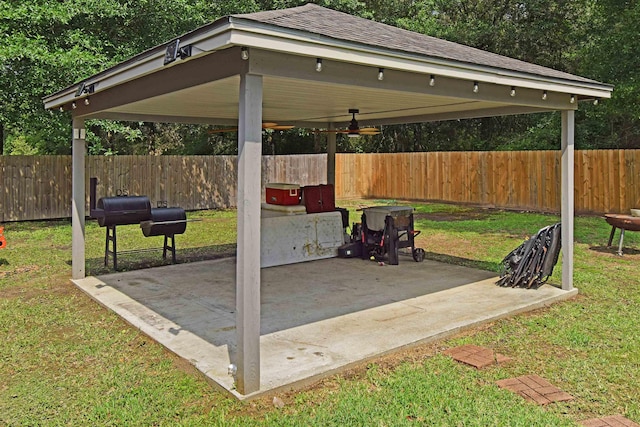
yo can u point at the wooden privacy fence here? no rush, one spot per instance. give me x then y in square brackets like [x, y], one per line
[605, 180]
[39, 187]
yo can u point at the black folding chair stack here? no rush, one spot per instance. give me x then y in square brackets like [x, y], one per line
[531, 263]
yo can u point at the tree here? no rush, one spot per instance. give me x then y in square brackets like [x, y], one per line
[48, 44]
[545, 32]
[611, 53]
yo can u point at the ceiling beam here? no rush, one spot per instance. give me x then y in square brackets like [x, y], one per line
[191, 73]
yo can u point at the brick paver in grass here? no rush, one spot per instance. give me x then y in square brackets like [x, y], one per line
[611, 421]
[476, 356]
[535, 389]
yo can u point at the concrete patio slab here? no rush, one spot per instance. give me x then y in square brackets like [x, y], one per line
[317, 318]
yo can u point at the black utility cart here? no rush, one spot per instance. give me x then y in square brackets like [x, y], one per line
[385, 229]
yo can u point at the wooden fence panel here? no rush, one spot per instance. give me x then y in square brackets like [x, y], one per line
[39, 187]
[605, 180]
[35, 187]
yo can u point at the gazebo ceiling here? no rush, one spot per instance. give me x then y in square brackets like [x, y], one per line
[300, 102]
[424, 79]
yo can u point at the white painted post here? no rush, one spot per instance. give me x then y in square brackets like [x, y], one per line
[568, 132]
[79, 150]
[331, 156]
[248, 251]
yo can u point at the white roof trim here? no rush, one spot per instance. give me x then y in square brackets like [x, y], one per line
[148, 62]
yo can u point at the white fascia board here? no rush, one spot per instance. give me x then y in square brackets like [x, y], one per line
[147, 63]
[270, 38]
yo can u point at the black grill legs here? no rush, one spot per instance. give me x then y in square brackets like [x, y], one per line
[171, 247]
[111, 237]
[110, 247]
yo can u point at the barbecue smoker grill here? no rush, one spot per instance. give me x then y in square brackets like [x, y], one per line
[125, 210]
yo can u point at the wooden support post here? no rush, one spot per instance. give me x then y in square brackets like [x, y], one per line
[79, 150]
[331, 156]
[248, 252]
[568, 132]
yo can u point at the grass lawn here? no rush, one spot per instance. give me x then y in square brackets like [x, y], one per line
[65, 360]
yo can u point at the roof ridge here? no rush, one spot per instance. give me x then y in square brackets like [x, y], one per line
[286, 12]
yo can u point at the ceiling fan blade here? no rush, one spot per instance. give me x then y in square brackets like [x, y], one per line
[265, 125]
[353, 129]
[281, 127]
[222, 130]
[363, 131]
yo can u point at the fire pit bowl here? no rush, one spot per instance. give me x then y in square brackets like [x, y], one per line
[623, 222]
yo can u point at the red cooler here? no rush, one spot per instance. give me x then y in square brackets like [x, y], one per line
[283, 194]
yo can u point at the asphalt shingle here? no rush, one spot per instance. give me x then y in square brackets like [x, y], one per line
[318, 20]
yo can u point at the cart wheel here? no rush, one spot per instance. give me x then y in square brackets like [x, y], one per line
[418, 254]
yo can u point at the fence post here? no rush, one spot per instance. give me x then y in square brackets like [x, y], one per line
[331, 156]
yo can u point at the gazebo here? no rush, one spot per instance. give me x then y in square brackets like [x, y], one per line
[308, 66]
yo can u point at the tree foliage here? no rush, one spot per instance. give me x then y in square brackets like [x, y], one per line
[612, 54]
[49, 43]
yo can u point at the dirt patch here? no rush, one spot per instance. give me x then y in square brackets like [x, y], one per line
[18, 270]
[613, 250]
[58, 285]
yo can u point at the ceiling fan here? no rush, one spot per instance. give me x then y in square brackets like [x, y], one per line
[266, 125]
[354, 130]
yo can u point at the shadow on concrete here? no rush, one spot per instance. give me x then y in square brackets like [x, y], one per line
[200, 297]
[129, 260]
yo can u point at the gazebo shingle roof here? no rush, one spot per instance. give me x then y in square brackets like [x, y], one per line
[318, 20]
